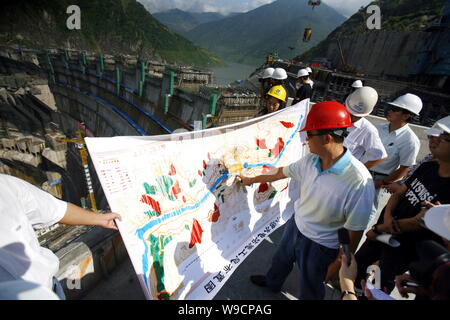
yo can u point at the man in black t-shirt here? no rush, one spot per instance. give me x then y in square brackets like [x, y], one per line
[428, 185]
[305, 90]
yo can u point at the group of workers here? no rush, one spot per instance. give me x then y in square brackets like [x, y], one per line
[351, 162]
[350, 165]
[274, 92]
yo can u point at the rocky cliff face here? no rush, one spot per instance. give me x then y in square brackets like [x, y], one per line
[399, 16]
[107, 26]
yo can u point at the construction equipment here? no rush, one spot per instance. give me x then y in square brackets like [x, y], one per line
[308, 31]
[441, 126]
[267, 73]
[302, 73]
[307, 35]
[279, 74]
[409, 102]
[327, 115]
[357, 84]
[361, 102]
[81, 145]
[344, 66]
[314, 3]
[278, 92]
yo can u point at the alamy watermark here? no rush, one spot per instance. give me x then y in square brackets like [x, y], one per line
[74, 20]
[374, 21]
[374, 275]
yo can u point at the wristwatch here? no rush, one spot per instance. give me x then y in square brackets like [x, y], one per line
[345, 292]
[375, 229]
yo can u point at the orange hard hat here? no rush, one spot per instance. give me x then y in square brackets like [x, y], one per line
[327, 115]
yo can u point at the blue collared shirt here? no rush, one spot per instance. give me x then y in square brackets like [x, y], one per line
[341, 196]
[338, 167]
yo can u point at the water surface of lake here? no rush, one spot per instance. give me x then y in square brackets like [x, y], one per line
[232, 72]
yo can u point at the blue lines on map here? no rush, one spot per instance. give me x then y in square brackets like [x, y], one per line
[140, 232]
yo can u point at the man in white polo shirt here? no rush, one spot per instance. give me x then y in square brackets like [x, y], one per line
[363, 140]
[401, 143]
[22, 207]
[336, 191]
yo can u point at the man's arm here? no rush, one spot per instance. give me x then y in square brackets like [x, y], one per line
[387, 225]
[371, 164]
[278, 175]
[394, 176]
[416, 223]
[397, 174]
[78, 216]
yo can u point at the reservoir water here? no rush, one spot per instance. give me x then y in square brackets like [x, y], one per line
[232, 72]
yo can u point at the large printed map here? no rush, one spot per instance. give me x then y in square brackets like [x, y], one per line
[186, 222]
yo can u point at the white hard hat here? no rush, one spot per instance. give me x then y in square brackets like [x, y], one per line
[279, 74]
[361, 102]
[357, 84]
[439, 127]
[409, 102]
[302, 73]
[308, 69]
[267, 73]
[437, 219]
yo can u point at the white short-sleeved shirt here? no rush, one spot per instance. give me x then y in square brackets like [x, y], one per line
[341, 196]
[311, 83]
[23, 206]
[402, 147]
[364, 142]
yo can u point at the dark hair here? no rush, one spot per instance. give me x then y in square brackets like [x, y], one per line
[403, 111]
[338, 134]
[277, 82]
[412, 115]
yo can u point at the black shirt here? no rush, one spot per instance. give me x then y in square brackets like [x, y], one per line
[423, 185]
[305, 92]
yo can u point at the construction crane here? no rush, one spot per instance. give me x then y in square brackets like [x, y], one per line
[314, 3]
[308, 31]
[81, 146]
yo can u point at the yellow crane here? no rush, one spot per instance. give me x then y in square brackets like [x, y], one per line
[81, 145]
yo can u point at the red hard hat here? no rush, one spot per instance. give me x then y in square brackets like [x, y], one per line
[327, 115]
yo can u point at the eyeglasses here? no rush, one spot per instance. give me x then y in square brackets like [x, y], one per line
[441, 138]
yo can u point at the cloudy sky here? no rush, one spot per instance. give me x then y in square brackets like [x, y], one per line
[347, 7]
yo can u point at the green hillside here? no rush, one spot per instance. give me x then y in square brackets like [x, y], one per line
[276, 27]
[396, 15]
[182, 21]
[108, 26]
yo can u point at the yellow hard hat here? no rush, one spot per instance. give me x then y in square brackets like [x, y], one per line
[278, 92]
